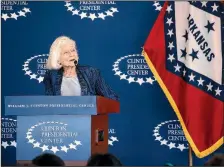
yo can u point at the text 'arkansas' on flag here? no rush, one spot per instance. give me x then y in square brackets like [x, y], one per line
[184, 50]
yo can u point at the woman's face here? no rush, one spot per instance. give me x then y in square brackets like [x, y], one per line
[68, 55]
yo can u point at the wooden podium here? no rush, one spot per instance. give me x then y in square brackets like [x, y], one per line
[72, 127]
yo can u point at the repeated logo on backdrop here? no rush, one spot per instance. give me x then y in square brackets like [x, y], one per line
[93, 10]
[134, 69]
[12, 10]
[53, 136]
[170, 134]
[35, 67]
[8, 132]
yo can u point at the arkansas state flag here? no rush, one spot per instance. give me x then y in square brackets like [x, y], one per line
[184, 50]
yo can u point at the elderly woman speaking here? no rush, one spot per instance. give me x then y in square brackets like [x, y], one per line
[66, 77]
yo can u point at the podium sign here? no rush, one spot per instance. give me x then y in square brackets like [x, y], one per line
[66, 136]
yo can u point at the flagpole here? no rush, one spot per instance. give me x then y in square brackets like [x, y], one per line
[190, 157]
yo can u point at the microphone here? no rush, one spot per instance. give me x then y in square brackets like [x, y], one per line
[75, 62]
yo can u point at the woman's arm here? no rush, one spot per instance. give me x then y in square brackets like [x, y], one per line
[48, 84]
[103, 89]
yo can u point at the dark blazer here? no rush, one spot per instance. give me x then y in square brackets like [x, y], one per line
[90, 81]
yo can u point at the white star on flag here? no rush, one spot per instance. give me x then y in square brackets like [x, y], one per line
[169, 9]
[214, 7]
[203, 3]
[184, 72]
[177, 67]
[170, 33]
[200, 81]
[169, 21]
[191, 77]
[170, 45]
[218, 91]
[209, 86]
[171, 57]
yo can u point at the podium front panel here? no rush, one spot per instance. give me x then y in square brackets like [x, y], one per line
[67, 136]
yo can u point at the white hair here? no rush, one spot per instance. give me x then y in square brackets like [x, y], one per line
[55, 51]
